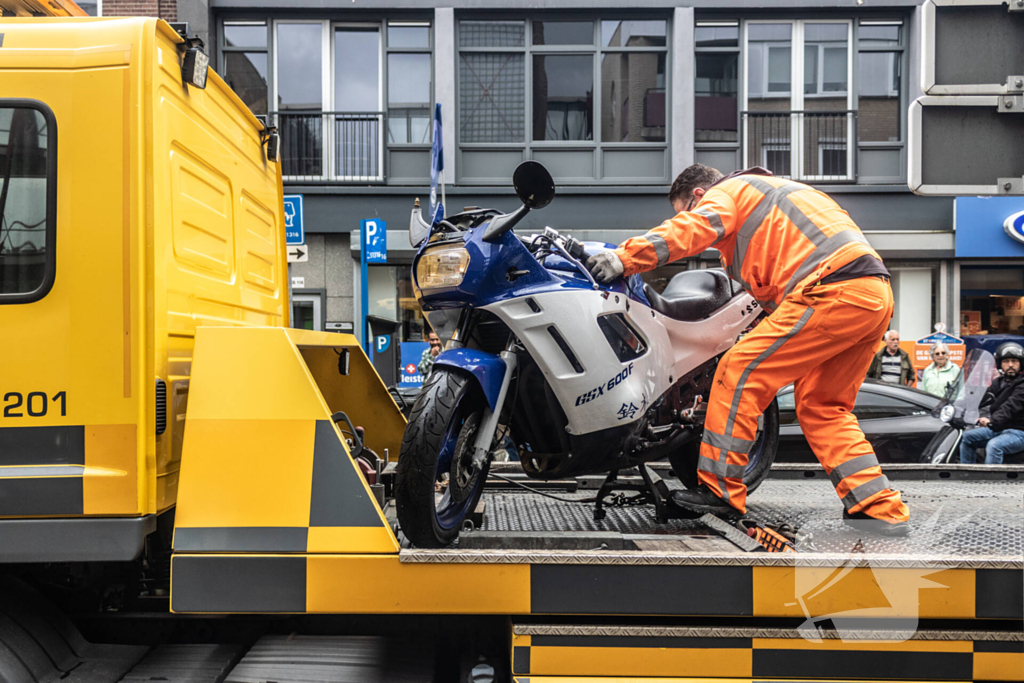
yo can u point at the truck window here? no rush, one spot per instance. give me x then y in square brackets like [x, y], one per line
[27, 200]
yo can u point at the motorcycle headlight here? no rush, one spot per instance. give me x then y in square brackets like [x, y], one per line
[946, 414]
[442, 267]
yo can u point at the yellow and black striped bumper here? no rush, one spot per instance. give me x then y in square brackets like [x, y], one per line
[587, 583]
[564, 653]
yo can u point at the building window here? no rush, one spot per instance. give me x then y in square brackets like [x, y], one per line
[990, 299]
[410, 83]
[572, 94]
[843, 123]
[716, 110]
[342, 94]
[880, 109]
[814, 123]
[94, 8]
[244, 59]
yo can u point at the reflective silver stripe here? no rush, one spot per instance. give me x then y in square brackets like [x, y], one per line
[721, 469]
[715, 220]
[772, 196]
[818, 256]
[825, 246]
[865, 491]
[757, 361]
[728, 442]
[738, 391]
[660, 247]
[42, 471]
[852, 466]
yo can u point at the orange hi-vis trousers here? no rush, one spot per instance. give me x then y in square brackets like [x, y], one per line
[822, 339]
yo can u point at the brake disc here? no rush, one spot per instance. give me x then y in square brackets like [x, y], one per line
[462, 479]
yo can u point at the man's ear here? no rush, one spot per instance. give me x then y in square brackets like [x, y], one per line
[699, 192]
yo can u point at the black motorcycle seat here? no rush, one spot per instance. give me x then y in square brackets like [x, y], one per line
[692, 295]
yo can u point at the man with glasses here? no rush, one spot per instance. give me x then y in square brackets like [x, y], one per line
[941, 373]
[807, 264]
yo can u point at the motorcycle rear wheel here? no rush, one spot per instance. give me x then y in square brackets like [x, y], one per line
[759, 464]
[449, 402]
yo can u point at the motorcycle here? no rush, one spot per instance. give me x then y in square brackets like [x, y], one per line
[960, 408]
[574, 377]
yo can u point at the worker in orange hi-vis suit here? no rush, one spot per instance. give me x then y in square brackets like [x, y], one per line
[806, 262]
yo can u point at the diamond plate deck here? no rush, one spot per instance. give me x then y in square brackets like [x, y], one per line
[954, 523]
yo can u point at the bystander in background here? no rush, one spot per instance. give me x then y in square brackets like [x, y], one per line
[892, 364]
[426, 363]
[941, 373]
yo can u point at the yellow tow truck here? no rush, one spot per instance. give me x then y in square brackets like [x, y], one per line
[184, 493]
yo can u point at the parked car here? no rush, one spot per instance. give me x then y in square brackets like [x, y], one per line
[899, 422]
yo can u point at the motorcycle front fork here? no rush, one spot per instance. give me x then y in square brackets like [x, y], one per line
[489, 423]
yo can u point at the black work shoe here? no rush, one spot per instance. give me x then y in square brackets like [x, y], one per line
[864, 522]
[703, 500]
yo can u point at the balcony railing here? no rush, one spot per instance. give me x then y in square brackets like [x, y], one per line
[332, 146]
[803, 145]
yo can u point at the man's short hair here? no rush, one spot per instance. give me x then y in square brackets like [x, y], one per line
[693, 177]
[885, 337]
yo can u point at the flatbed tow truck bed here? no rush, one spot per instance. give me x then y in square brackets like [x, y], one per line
[627, 597]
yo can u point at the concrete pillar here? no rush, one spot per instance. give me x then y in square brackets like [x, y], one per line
[444, 83]
[681, 114]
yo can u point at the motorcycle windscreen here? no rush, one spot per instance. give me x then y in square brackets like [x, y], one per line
[978, 372]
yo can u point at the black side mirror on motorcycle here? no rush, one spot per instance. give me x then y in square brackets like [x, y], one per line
[535, 188]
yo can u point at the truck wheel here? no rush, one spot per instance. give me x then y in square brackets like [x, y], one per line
[450, 405]
[762, 455]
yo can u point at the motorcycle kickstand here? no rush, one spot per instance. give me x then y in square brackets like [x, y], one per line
[657, 491]
[607, 487]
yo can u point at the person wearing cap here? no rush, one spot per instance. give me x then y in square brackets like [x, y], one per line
[941, 373]
[1001, 424]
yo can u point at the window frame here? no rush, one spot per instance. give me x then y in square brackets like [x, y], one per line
[388, 51]
[796, 96]
[597, 50]
[713, 149]
[50, 273]
[902, 63]
[328, 25]
[717, 146]
[224, 48]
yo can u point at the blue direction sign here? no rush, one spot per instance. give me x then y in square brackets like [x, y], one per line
[294, 231]
[375, 240]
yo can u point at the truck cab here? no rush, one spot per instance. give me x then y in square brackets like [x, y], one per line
[134, 208]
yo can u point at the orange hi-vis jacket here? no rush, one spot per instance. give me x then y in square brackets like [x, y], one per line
[773, 234]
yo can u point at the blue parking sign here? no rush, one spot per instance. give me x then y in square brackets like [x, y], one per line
[375, 240]
[293, 229]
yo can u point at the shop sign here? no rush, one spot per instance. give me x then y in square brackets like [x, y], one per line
[921, 358]
[989, 227]
[412, 353]
[1014, 226]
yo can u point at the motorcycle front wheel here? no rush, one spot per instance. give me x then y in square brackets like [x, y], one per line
[759, 462]
[433, 493]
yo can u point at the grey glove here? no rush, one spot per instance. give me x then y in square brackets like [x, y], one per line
[605, 266]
